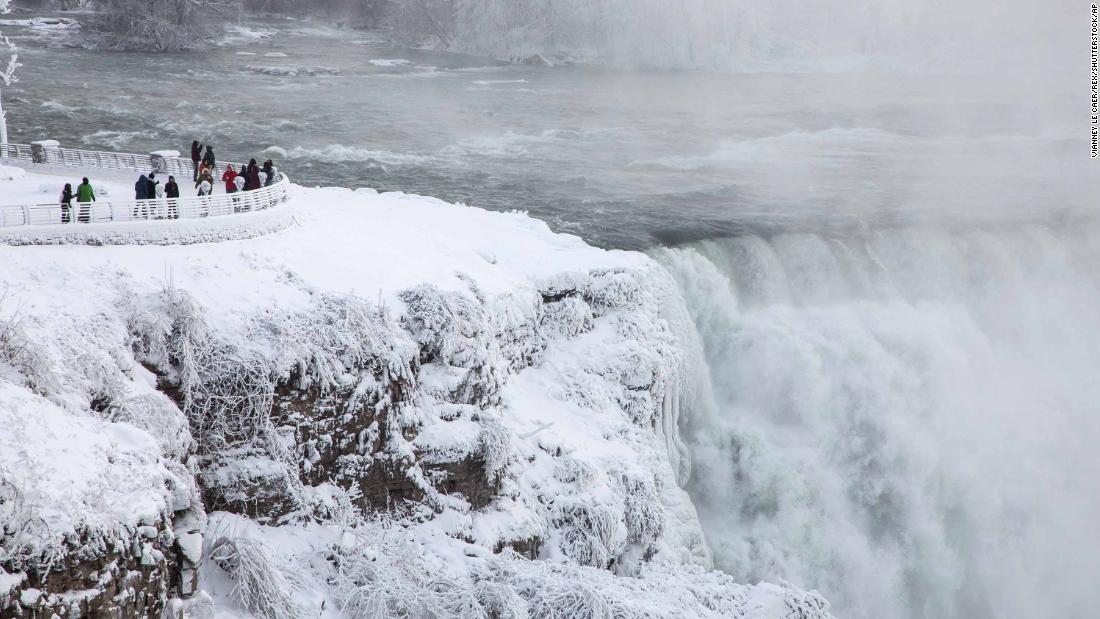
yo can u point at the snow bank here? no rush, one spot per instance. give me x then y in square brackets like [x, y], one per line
[76, 473]
[9, 173]
[154, 232]
[369, 571]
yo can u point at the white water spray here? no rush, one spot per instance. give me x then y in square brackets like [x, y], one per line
[906, 420]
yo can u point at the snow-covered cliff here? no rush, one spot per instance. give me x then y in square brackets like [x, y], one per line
[391, 406]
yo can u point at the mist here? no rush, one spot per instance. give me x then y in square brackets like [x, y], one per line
[880, 218]
[980, 36]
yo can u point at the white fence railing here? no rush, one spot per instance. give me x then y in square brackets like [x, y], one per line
[102, 211]
[16, 152]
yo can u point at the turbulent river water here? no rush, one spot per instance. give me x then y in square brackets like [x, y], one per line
[893, 279]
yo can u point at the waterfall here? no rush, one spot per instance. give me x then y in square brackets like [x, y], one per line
[905, 419]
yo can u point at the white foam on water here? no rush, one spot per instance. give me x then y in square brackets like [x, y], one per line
[389, 62]
[117, 140]
[57, 106]
[339, 153]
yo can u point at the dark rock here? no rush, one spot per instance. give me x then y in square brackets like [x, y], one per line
[95, 577]
[528, 547]
[244, 480]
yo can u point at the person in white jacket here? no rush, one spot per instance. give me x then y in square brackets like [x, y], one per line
[205, 189]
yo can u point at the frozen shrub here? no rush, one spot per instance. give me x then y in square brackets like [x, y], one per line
[332, 504]
[231, 402]
[454, 330]
[21, 358]
[377, 577]
[589, 533]
[494, 444]
[450, 327]
[638, 406]
[578, 600]
[515, 321]
[586, 389]
[500, 600]
[157, 415]
[570, 470]
[168, 331]
[608, 290]
[259, 584]
[565, 319]
[19, 528]
[644, 515]
[330, 343]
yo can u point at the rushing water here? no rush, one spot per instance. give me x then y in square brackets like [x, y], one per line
[905, 418]
[894, 278]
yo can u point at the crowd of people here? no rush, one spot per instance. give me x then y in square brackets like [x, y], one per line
[250, 178]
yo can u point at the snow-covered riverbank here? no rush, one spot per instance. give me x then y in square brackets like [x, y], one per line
[392, 405]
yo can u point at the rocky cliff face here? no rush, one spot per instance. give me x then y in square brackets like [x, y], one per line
[388, 413]
[343, 408]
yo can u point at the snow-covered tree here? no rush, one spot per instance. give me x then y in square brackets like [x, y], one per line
[159, 25]
[7, 71]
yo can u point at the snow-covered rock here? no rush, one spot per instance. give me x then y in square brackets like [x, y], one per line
[392, 405]
[10, 173]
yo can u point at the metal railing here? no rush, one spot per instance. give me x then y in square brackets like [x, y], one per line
[16, 152]
[102, 211]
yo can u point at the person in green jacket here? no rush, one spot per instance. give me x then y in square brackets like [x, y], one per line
[84, 194]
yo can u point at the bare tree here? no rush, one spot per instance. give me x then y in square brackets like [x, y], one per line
[7, 72]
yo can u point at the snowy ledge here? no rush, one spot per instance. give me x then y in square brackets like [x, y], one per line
[159, 232]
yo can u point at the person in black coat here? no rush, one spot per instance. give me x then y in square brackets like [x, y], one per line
[196, 156]
[67, 203]
[269, 172]
[208, 158]
[152, 182]
[141, 192]
[141, 188]
[172, 192]
[252, 177]
[171, 189]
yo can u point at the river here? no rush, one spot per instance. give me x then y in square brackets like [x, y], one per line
[621, 158]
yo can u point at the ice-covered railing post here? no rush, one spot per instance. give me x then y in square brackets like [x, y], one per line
[7, 73]
[159, 161]
[38, 150]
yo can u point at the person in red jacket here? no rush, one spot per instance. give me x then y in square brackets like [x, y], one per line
[229, 178]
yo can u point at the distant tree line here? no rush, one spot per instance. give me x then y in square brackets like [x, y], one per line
[369, 11]
[172, 25]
